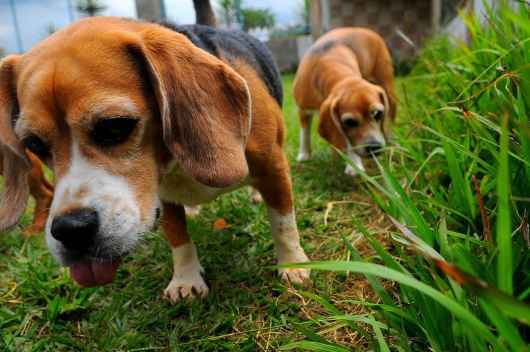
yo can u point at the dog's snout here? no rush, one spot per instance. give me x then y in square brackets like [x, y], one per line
[77, 229]
[373, 147]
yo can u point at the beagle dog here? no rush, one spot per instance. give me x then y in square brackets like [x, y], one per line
[347, 75]
[137, 119]
[39, 188]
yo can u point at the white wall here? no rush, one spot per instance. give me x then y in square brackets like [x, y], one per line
[456, 29]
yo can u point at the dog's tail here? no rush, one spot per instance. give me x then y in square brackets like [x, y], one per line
[204, 13]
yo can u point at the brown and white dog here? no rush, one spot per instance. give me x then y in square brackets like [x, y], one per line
[39, 188]
[347, 75]
[134, 116]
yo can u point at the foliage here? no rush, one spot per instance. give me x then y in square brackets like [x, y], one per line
[257, 18]
[456, 188]
[302, 27]
[305, 13]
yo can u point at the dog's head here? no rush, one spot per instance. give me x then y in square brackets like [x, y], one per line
[355, 115]
[107, 104]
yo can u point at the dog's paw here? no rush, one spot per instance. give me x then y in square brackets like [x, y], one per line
[185, 288]
[255, 197]
[350, 171]
[303, 156]
[294, 275]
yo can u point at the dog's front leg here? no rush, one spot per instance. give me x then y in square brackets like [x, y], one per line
[357, 161]
[187, 281]
[304, 152]
[276, 189]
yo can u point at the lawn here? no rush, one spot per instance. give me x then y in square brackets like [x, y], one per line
[429, 251]
[248, 307]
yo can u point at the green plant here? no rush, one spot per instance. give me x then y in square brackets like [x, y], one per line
[257, 18]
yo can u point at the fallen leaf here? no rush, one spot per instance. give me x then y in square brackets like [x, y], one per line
[220, 224]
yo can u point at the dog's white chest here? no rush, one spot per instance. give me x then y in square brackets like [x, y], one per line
[178, 187]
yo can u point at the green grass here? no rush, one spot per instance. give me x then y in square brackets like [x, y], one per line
[414, 256]
[248, 307]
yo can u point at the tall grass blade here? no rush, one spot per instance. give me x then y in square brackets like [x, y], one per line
[313, 346]
[504, 223]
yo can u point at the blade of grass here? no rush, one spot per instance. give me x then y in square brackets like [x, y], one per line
[313, 346]
[504, 224]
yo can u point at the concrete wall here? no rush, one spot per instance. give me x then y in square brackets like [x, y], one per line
[456, 29]
[404, 24]
[288, 52]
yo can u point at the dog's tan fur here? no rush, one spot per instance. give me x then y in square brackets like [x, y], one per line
[346, 73]
[193, 111]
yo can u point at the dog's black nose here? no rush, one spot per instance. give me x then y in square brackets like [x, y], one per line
[373, 148]
[77, 229]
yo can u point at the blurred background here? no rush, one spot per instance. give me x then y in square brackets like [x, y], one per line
[287, 26]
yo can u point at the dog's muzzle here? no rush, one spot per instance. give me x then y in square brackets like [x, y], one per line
[373, 147]
[77, 231]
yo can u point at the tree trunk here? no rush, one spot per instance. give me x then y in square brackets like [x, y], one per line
[204, 13]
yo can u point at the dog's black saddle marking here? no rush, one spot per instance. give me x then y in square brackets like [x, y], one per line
[236, 45]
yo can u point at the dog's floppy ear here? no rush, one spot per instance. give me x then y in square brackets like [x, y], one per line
[204, 106]
[13, 160]
[384, 100]
[388, 117]
[329, 124]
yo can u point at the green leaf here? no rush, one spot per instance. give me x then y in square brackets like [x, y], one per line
[313, 346]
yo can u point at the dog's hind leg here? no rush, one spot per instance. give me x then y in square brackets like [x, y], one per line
[304, 151]
[274, 184]
[187, 281]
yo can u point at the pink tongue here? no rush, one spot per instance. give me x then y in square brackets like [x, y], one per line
[90, 274]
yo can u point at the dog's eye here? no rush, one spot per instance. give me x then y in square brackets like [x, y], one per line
[350, 122]
[113, 131]
[36, 146]
[377, 114]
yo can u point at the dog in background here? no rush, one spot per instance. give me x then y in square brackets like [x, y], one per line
[39, 188]
[134, 119]
[347, 75]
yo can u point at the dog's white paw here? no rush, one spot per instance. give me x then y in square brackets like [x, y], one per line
[186, 288]
[294, 275]
[350, 171]
[255, 197]
[303, 156]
